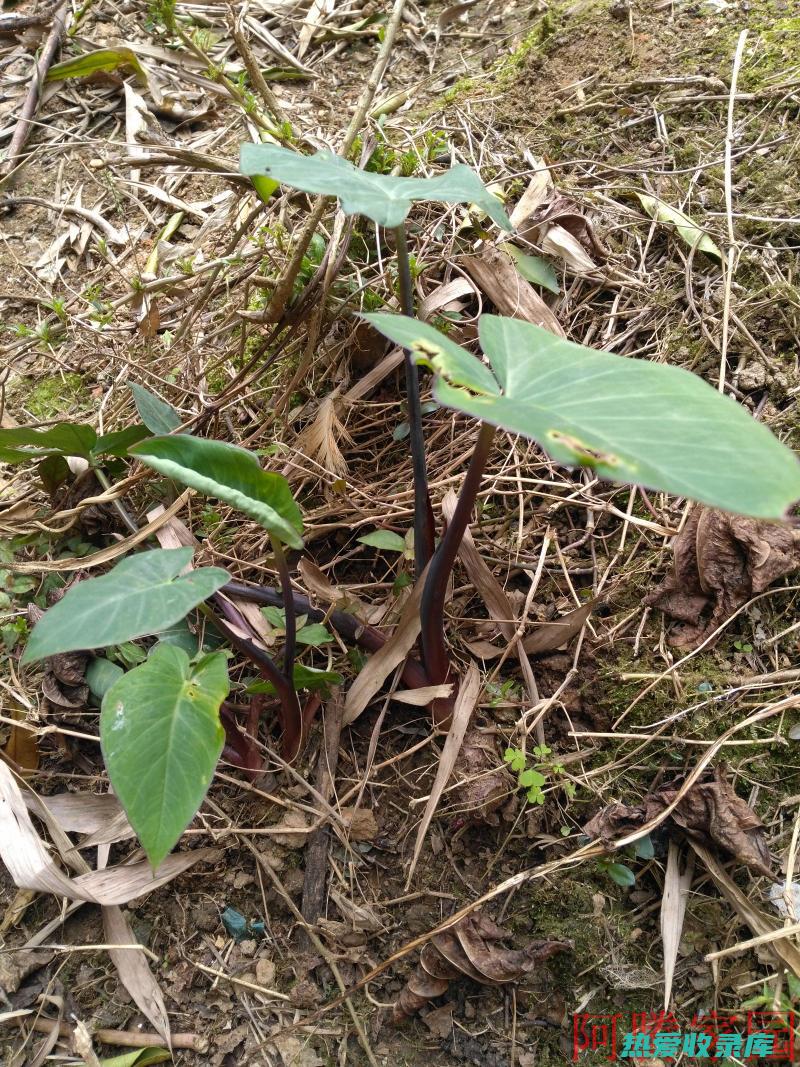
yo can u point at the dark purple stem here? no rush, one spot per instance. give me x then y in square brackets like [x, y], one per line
[434, 645]
[288, 609]
[424, 528]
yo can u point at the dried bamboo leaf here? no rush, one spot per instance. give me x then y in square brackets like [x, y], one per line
[496, 276]
[758, 920]
[312, 23]
[134, 971]
[420, 698]
[539, 190]
[466, 700]
[560, 243]
[380, 665]
[673, 912]
[31, 866]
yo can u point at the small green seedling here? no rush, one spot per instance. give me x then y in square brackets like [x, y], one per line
[534, 778]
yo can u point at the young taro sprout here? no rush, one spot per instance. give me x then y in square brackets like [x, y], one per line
[160, 726]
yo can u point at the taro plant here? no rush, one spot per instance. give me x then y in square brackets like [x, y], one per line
[160, 726]
[628, 420]
[386, 200]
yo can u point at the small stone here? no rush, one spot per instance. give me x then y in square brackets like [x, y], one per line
[294, 821]
[265, 973]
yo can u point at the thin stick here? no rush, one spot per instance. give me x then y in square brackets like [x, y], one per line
[753, 942]
[285, 286]
[731, 250]
[434, 646]
[25, 120]
[424, 534]
[125, 1038]
[317, 848]
[252, 67]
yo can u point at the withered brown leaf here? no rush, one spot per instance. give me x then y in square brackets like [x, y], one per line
[710, 812]
[470, 949]
[720, 562]
[484, 782]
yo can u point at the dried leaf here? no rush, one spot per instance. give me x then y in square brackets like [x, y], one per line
[721, 561]
[758, 921]
[78, 813]
[496, 276]
[296, 1051]
[471, 948]
[380, 665]
[320, 439]
[710, 812]
[449, 297]
[450, 14]
[465, 703]
[538, 192]
[360, 823]
[561, 243]
[440, 1021]
[485, 782]
[673, 911]
[133, 970]
[22, 747]
[420, 698]
[358, 916]
[31, 866]
[311, 23]
[340, 596]
[549, 636]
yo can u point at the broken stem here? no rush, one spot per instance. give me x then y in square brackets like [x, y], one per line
[424, 533]
[434, 645]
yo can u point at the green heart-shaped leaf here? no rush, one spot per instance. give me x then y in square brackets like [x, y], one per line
[143, 594]
[628, 419]
[157, 415]
[161, 738]
[64, 439]
[383, 198]
[232, 474]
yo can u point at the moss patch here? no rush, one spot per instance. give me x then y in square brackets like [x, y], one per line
[59, 395]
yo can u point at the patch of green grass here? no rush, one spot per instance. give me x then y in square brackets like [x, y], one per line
[59, 395]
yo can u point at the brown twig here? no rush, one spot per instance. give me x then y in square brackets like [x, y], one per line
[123, 1038]
[285, 286]
[25, 120]
[317, 851]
